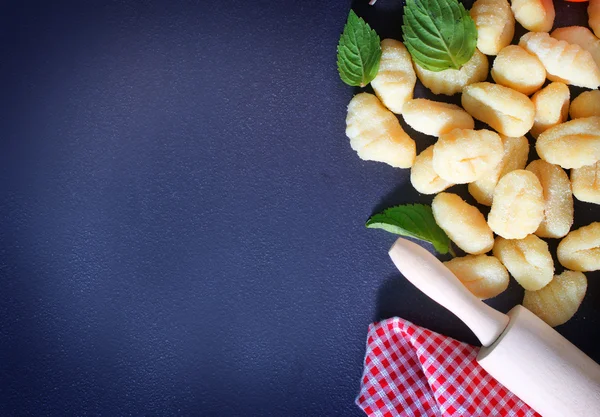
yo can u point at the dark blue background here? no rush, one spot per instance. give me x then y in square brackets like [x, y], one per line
[182, 217]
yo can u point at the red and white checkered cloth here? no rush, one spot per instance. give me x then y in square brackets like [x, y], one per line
[412, 371]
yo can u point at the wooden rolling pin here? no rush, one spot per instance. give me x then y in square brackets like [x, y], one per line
[520, 350]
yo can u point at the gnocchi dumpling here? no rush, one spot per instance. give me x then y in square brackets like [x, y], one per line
[484, 276]
[594, 16]
[585, 182]
[518, 205]
[558, 301]
[463, 223]
[572, 144]
[551, 107]
[587, 104]
[452, 81]
[582, 36]
[563, 61]
[516, 68]
[375, 133]
[558, 199]
[528, 260]
[465, 155]
[506, 110]
[516, 152]
[435, 117]
[534, 15]
[396, 78]
[495, 25]
[580, 249]
[423, 177]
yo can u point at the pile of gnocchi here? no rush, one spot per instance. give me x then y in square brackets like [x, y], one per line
[529, 202]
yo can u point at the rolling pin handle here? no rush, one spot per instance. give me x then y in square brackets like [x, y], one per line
[436, 281]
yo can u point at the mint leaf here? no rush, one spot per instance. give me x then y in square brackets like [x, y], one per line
[358, 52]
[412, 220]
[439, 34]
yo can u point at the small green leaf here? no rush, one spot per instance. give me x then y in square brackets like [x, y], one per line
[358, 52]
[439, 34]
[412, 220]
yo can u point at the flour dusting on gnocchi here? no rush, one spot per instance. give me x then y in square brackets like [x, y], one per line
[516, 152]
[375, 133]
[417, 81]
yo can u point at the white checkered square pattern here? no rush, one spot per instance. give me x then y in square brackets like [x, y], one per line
[412, 371]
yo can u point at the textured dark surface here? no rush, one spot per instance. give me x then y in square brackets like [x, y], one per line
[182, 218]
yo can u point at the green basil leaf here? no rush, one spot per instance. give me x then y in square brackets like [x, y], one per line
[439, 34]
[358, 52]
[412, 220]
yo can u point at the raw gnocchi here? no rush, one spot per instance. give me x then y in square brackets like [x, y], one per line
[465, 155]
[435, 117]
[558, 199]
[528, 260]
[518, 205]
[452, 81]
[507, 111]
[483, 275]
[580, 249]
[551, 107]
[587, 104]
[396, 78]
[375, 133]
[463, 223]
[558, 301]
[516, 68]
[585, 182]
[572, 144]
[582, 36]
[594, 16]
[563, 61]
[423, 177]
[534, 15]
[516, 152]
[495, 25]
